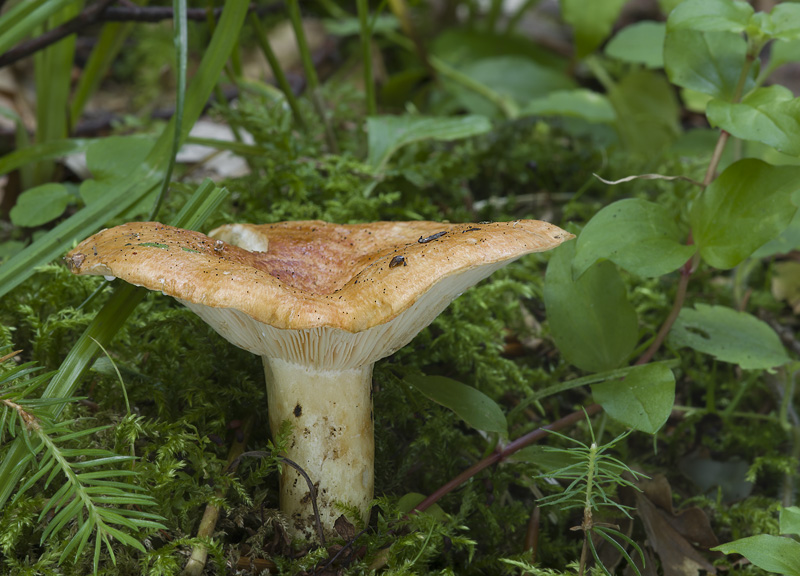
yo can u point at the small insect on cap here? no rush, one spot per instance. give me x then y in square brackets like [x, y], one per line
[369, 287]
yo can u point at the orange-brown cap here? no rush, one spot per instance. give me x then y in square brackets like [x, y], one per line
[327, 295]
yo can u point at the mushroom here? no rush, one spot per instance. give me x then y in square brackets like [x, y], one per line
[320, 303]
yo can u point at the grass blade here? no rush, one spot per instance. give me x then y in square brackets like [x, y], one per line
[277, 71]
[366, 56]
[53, 70]
[44, 151]
[120, 196]
[181, 41]
[108, 45]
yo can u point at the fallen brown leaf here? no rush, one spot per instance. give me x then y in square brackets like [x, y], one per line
[671, 535]
[344, 528]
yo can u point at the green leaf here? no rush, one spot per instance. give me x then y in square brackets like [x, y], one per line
[790, 521]
[180, 40]
[782, 52]
[591, 21]
[117, 156]
[711, 16]
[471, 405]
[748, 205]
[770, 553]
[387, 134]
[785, 21]
[53, 69]
[647, 112]
[642, 400]
[410, 501]
[770, 115]
[729, 336]
[580, 103]
[640, 43]
[513, 77]
[706, 62]
[40, 205]
[112, 159]
[461, 45]
[640, 236]
[44, 151]
[546, 458]
[591, 319]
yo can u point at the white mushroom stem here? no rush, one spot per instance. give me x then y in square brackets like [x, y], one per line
[332, 441]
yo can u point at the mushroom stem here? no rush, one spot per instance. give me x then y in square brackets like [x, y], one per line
[332, 441]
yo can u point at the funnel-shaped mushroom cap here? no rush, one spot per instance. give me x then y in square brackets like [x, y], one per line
[326, 295]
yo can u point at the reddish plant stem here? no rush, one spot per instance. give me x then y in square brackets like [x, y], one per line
[677, 305]
[716, 157]
[102, 12]
[500, 455]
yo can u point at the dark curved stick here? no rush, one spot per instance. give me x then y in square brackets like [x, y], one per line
[100, 11]
[80, 21]
[341, 551]
[296, 466]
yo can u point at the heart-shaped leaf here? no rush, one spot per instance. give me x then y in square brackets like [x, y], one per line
[790, 521]
[640, 236]
[748, 205]
[591, 319]
[770, 115]
[640, 43]
[586, 104]
[711, 16]
[706, 62]
[730, 336]
[40, 205]
[387, 134]
[642, 400]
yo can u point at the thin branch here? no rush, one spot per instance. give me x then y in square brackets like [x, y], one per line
[80, 21]
[102, 12]
[499, 456]
[677, 305]
[159, 13]
[343, 549]
[716, 157]
[312, 491]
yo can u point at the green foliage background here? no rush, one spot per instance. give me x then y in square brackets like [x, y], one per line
[473, 121]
